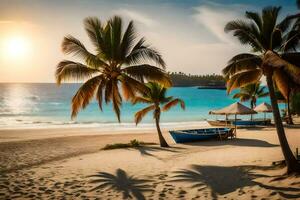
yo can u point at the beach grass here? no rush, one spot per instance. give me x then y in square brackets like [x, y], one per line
[132, 144]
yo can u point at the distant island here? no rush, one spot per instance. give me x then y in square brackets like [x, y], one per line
[208, 81]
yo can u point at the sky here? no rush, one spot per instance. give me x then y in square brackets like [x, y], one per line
[188, 33]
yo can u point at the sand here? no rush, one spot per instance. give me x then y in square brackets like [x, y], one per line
[69, 164]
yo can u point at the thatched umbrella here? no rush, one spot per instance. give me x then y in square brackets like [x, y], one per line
[234, 109]
[264, 108]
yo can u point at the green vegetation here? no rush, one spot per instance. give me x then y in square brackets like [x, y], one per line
[273, 55]
[132, 144]
[118, 61]
[156, 97]
[186, 80]
[251, 92]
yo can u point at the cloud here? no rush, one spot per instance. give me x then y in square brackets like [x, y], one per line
[215, 16]
[136, 16]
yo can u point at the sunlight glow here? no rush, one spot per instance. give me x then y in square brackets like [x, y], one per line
[16, 47]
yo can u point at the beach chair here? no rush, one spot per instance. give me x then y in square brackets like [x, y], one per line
[232, 133]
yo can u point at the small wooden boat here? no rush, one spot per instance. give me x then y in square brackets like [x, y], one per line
[182, 136]
[255, 122]
[240, 122]
[220, 122]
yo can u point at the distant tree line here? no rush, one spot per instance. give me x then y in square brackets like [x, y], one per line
[186, 80]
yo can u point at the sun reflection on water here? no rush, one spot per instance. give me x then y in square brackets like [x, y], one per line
[17, 100]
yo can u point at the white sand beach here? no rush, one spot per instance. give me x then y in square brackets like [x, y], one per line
[62, 163]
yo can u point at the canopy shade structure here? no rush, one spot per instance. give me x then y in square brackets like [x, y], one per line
[234, 109]
[264, 108]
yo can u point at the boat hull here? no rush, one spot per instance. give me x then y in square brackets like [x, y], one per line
[240, 122]
[252, 123]
[185, 136]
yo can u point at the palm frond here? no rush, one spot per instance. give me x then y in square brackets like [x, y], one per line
[151, 73]
[241, 62]
[172, 103]
[245, 32]
[108, 91]
[74, 46]
[142, 52]
[116, 99]
[99, 95]
[135, 85]
[293, 69]
[276, 39]
[84, 94]
[69, 70]
[140, 114]
[243, 78]
[255, 17]
[128, 90]
[275, 61]
[291, 41]
[281, 81]
[116, 25]
[128, 39]
[93, 27]
[242, 96]
[269, 18]
[140, 99]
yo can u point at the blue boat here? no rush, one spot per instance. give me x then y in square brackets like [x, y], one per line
[182, 136]
[252, 122]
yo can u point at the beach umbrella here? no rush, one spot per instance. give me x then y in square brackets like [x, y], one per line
[264, 108]
[234, 109]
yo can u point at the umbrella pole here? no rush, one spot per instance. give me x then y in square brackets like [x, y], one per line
[235, 124]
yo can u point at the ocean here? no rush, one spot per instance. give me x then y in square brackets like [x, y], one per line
[40, 105]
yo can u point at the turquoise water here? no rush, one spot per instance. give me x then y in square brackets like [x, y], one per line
[46, 104]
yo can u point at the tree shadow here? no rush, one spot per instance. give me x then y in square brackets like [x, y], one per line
[129, 186]
[149, 150]
[224, 180]
[235, 142]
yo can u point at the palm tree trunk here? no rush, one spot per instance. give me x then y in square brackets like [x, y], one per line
[162, 140]
[291, 162]
[290, 119]
[252, 106]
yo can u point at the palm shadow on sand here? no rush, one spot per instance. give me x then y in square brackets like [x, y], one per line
[120, 182]
[224, 180]
[149, 150]
[235, 142]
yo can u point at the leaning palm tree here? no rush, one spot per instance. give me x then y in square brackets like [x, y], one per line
[274, 57]
[156, 97]
[118, 58]
[251, 93]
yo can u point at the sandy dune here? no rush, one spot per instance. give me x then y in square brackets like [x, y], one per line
[74, 167]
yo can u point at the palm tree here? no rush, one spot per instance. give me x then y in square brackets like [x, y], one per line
[274, 57]
[251, 93]
[156, 97]
[117, 59]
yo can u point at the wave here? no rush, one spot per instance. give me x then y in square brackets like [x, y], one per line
[107, 126]
[55, 103]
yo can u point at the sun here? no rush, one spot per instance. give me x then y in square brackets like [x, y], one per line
[16, 47]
